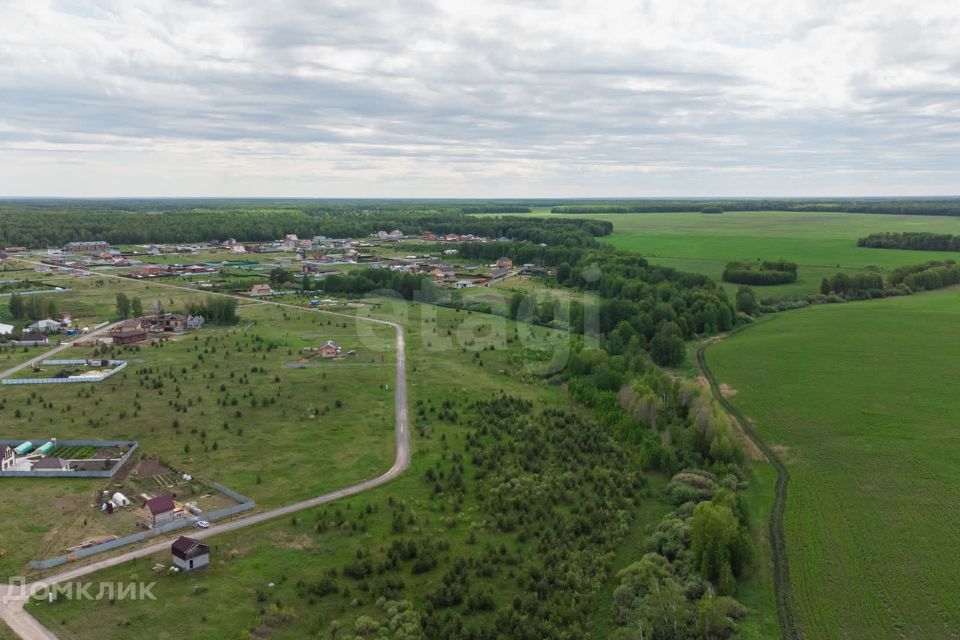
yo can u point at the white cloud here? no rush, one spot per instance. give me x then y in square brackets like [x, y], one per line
[413, 98]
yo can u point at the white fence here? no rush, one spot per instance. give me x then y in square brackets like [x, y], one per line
[118, 365]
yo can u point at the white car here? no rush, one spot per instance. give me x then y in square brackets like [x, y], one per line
[203, 524]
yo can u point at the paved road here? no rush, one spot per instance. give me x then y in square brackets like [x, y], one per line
[12, 600]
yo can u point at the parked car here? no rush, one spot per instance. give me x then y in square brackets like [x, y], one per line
[203, 524]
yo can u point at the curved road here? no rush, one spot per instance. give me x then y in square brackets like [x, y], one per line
[12, 600]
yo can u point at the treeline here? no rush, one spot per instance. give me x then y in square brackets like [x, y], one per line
[927, 276]
[681, 587]
[410, 286]
[917, 241]
[32, 307]
[216, 309]
[919, 206]
[760, 274]
[41, 227]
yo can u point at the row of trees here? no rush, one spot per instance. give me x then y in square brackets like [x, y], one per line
[36, 225]
[927, 276]
[768, 272]
[853, 285]
[32, 307]
[916, 241]
[913, 206]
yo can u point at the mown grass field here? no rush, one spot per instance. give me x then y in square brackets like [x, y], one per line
[818, 242]
[860, 399]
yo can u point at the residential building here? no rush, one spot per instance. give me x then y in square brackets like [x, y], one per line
[504, 263]
[189, 554]
[92, 245]
[44, 326]
[32, 340]
[329, 349]
[160, 511]
[260, 290]
[5, 329]
[130, 336]
[7, 457]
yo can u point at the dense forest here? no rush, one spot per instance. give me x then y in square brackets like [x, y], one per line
[918, 241]
[42, 227]
[761, 273]
[918, 206]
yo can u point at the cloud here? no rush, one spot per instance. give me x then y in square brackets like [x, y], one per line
[448, 98]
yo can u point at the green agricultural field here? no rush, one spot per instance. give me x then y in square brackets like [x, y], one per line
[818, 242]
[858, 399]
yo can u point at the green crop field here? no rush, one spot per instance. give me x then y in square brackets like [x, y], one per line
[859, 399]
[818, 242]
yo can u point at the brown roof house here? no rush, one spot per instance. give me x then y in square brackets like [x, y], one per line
[161, 511]
[504, 263]
[329, 349]
[31, 340]
[189, 554]
[7, 457]
[260, 290]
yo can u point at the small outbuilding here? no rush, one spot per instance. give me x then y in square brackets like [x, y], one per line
[189, 554]
[51, 463]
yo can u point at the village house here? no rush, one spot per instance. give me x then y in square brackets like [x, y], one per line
[329, 349]
[32, 340]
[5, 329]
[44, 326]
[161, 511]
[260, 290]
[189, 554]
[7, 457]
[504, 263]
[129, 336]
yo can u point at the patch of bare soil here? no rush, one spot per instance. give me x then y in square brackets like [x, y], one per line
[727, 390]
[148, 468]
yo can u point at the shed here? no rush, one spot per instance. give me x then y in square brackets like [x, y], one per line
[51, 463]
[189, 554]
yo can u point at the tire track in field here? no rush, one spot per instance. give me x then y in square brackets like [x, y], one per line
[783, 594]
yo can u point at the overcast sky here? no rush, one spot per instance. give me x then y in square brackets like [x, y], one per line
[476, 98]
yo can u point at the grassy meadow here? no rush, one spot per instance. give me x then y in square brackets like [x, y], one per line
[858, 397]
[450, 364]
[229, 404]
